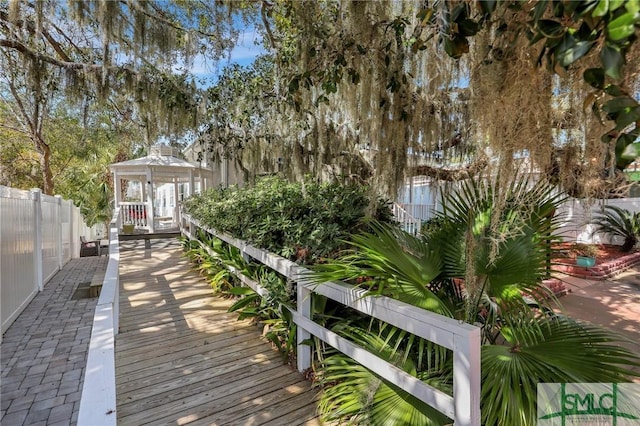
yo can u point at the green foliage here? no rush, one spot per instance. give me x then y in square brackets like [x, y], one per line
[482, 265]
[567, 32]
[355, 395]
[429, 227]
[302, 221]
[616, 221]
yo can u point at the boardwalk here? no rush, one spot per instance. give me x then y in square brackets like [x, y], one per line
[182, 359]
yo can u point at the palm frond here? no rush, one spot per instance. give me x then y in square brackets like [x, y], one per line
[355, 394]
[616, 221]
[546, 350]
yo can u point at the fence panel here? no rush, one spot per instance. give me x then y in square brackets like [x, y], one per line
[17, 253]
[38, 235]
[65, 227]
[134, 214]
[576, 215]
[50, 229]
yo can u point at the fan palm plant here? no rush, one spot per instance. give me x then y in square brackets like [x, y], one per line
[616, 221]
[482, 266]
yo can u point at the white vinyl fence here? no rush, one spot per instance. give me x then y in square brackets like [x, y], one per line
[39, 234]
[463, 339]
[577, 214]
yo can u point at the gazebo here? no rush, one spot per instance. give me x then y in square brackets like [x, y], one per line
[160, 167]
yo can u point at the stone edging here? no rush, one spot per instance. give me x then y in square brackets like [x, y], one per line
[602, 271]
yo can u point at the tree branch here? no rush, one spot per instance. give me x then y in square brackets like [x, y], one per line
[14, 129]
[265, 22]
[70, 65]
[451, 175]
[32, 30]
[157, 16]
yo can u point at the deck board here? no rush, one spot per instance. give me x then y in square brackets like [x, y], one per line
[181, 358]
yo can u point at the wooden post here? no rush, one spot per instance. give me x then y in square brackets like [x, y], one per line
[466, 379]
[304, 309]
[151, 197]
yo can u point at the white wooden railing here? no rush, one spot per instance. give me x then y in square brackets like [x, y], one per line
[407, 221]
[463, 339]
[98, 399]
[39, 234]
[136, 214]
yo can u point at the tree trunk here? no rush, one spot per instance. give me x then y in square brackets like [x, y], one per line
[45, 164]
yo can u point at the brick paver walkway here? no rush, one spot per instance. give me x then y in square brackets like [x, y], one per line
[44, 351]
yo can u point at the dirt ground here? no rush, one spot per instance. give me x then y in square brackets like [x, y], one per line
[612, 303]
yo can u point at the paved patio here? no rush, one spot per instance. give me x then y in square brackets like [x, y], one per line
[613, 303]
[44, 351]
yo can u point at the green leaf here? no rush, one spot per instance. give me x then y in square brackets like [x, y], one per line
[539, 9]
[570, 50]
[612, 60]
[624, 119]
[595, 77]
[459, 12]
[613, 90]
[619, 104]
[240, 291]
[615, 4]
[321, 99]
[456, 47]
[621, 27]
[294, 84]
[623, 142]
[631, 152]
[601, 9]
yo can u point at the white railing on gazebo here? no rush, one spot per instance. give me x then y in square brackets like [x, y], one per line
[136, 214]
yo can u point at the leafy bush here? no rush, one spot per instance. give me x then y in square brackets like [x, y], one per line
[616, 221]
[300, 221]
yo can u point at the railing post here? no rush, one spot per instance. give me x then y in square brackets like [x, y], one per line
[466, 379]
[59, 229]
[37, 240]
[304, 309]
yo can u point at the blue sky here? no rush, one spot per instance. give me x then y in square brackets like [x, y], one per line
[244, 53]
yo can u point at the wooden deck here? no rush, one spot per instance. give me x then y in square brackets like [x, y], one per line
[182, 359]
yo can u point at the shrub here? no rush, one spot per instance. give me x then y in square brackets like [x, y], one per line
[301, 221]
[616, 221]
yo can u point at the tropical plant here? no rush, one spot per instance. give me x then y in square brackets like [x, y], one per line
[484, 266]
[618, 222]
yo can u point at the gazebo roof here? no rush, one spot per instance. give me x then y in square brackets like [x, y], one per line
[153, 161]
[163, 168]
